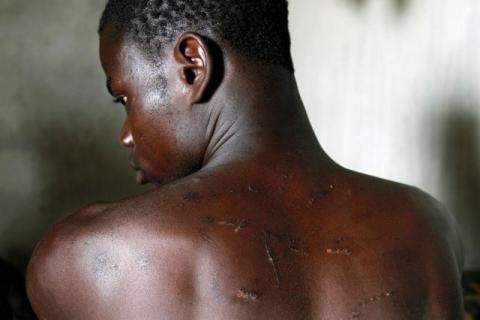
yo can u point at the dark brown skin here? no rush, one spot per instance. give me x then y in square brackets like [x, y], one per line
[250, 220]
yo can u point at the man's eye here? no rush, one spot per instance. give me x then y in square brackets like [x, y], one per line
[122, 99]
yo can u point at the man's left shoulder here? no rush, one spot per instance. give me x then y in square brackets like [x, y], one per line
[437, 242]
[436, 222]
[418, 241]
[409, 215]
[405, 203]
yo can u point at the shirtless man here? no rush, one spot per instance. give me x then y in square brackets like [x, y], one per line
[250, 218]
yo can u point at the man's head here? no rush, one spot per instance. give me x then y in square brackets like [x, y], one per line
[163, 59]
[254, 28]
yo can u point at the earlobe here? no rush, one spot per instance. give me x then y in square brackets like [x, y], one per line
[193, 54]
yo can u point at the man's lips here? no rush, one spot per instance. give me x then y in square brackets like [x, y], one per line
[140, 176]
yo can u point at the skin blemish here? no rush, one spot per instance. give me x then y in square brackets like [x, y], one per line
[144, 262]
[297, 247]
[101, 263]
[237, 224]
[252, 189]
[247, 296]
[365, 302]
[271, 258]
[320, 195]
[104, 265]
[339, 252]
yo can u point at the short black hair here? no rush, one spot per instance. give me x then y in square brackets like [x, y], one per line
[255, 28]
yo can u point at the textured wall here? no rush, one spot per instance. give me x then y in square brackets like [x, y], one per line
[391, 87]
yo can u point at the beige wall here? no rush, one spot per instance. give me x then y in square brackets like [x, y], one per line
[390, 85]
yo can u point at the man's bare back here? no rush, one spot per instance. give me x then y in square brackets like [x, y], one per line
[348, 247]
[250, 218]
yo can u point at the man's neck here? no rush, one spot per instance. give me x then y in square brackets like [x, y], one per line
[259, 118]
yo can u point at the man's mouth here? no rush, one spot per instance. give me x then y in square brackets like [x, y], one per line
[140, 177]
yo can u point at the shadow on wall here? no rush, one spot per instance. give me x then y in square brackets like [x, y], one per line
[77, 160]
[460, 132]
[400, 6]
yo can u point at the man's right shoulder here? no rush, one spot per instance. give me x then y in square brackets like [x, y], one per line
[48, 269]
[100, 223]
[94, 243]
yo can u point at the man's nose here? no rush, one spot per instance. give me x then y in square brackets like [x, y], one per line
[126, 138]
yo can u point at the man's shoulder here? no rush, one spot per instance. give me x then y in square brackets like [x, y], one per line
[410, 239]
[134, 221]
[407, 213]
[163, 212]
[102, 245]
[397, 198]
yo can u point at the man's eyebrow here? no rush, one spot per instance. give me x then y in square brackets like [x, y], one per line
[109, 86]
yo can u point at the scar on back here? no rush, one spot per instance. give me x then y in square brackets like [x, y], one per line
[271, 257]
[236, 224]
[338, 252]
[247, 296]
[365, 302]
[320, 195]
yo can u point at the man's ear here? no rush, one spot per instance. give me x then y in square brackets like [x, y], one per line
[193, 54]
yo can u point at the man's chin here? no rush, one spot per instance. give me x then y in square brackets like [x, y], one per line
[144, 179]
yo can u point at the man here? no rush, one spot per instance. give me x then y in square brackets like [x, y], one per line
[250, 218]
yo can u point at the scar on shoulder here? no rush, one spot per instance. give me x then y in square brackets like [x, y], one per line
[105, 265]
